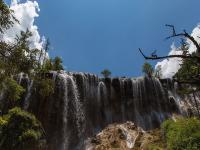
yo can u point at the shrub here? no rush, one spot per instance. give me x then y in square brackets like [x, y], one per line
[20, 130]
[13, 89]
[46, 87]
[183, 134]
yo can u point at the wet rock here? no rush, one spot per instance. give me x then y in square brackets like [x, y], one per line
[126, 136]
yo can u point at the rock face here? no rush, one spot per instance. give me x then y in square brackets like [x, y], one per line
[126, 136]
[83, 104]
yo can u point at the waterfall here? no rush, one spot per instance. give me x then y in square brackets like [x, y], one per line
[28, 94]
[71, 102]
[83, 104]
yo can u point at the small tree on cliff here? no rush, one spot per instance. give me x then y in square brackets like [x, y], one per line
[147, 69]
[106, 73]
[57, 63]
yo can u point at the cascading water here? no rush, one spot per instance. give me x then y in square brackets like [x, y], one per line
[28, 94]
[72, 111]
[83, 104]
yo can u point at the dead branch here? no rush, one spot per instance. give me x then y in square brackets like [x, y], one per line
[183, 34]
[169, 56]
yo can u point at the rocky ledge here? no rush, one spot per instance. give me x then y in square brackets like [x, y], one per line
[126, 136]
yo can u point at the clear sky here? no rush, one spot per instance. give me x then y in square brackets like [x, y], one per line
[91, 35]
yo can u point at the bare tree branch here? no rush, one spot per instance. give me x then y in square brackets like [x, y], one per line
[183, 34]
[169, 56]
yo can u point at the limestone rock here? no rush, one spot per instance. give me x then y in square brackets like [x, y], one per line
[126, 136]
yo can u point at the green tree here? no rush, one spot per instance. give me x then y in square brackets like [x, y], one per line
[18, 57]
[45, 67]
[45, 87]
[7, 18]
[57, 64]
[54, 64]
[11, 89]
[15, 58]
[188, 79]
[20, 130]
[106, 73]
[12, 94]
[147, 69]
[182, 134]
[189, 71]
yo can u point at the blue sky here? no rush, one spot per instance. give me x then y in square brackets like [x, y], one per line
[91, 35]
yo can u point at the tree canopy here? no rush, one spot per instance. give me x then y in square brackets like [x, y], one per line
[7, 18]
[20, 130]
[182, 134]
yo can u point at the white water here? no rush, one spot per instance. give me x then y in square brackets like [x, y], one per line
[84, 104]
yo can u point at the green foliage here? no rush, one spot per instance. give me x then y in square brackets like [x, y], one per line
[51, 65]
[45, 87]
[20, 130]
[6, 17]
[14, 57]
[185, 90]
[182, 134]
[12, 89]
[106, 73]
[18, 57]
[147, 69]
[188, 73]
[57, 64]
[189, 69]
[46, 67]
